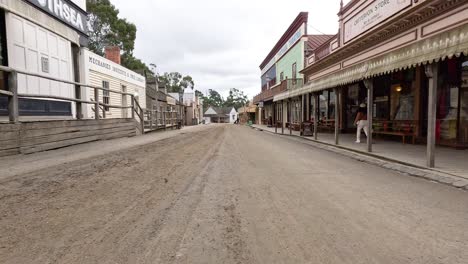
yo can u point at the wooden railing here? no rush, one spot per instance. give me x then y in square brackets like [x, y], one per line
[14, 96]
[155, 119]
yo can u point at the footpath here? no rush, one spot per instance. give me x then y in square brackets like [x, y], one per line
[405, 164]
[19, 164]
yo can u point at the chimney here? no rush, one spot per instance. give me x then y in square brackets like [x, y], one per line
[113, 54]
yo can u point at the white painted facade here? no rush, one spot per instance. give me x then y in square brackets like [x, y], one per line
[231, 117]
[40, 43]
[34, 49]
[96, 70]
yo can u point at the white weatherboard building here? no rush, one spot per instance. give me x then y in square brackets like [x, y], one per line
[42, 37]
[226, 115]
[99, 71]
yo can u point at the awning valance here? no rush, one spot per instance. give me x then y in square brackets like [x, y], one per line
[443, 45]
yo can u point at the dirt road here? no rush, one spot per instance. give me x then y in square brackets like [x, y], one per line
[228, 194]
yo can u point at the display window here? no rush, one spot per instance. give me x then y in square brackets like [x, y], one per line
[463, 124]
[448, 97]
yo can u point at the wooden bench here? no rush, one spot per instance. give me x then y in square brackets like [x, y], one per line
[296, 126]
[401, 128]
[327, 124]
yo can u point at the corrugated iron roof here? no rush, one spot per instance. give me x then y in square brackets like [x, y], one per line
[315, 41]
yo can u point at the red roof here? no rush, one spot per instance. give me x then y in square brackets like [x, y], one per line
[315, 41]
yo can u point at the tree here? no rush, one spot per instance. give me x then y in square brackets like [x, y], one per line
[134, 64]
[236, 99]
[175, 82]
[213, 99]
[199, 94]
[110, 30]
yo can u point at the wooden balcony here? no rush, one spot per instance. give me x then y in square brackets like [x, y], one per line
[289, 84]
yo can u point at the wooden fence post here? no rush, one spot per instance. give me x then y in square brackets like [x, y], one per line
[96, 100]
[13, 108]
[133, 106]
[142, 121]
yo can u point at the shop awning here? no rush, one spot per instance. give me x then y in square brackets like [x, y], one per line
[439, 47]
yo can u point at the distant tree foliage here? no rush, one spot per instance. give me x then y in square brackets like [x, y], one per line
[212, 99]
[236, 99]
[199, 94]
[175, 82]
[107, 29]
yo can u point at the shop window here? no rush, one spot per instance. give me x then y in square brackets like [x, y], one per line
[331, 103]
[447, 102]
[463, 130]
[294, 73]
[3, 62]
[323, 105]
[106, 95]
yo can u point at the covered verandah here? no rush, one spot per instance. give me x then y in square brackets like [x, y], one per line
[427, 56]
[449, 160]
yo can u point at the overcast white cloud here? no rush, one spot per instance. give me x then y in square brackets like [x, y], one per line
[219, 43]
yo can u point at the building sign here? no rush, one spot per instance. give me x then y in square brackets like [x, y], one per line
[286, 47]
[291, 42]
[65, 11]
[374, 14]
[105, 66]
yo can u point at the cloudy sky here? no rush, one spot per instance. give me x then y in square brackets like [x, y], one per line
[220, 43]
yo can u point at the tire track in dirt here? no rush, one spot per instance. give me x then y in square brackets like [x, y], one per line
[90, 210]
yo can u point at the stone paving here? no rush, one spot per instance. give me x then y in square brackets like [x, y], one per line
[451, 164]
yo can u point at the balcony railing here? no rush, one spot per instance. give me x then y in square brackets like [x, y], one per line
[286, 85]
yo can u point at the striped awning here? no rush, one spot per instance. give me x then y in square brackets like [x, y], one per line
[439, 47]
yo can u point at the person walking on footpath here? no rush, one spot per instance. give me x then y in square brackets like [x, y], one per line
[361, 122]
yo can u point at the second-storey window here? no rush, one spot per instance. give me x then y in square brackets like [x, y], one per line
[294, 72]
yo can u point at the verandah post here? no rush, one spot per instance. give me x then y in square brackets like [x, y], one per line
[13, 104]
[275, 111]
[316, 99]
[432, 71]
[290, 116]
[282, 117]
[337, 117]
[370, 111]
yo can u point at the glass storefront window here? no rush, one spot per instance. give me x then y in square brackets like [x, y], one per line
[402, 102]
[331, 102]
[323, 105]
[463, 130]
[447, 101]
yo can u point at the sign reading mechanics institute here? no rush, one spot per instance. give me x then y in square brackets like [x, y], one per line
[375, 13]
[65, 11]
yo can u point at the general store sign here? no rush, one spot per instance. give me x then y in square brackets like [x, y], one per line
[65, 11]
[372, 15]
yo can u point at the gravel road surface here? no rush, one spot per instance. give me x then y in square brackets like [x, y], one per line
[227, 194]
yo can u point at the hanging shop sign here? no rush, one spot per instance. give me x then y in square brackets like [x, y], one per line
[372, 15]
[65, 11]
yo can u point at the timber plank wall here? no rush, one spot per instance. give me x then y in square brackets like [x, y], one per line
[31, 137]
